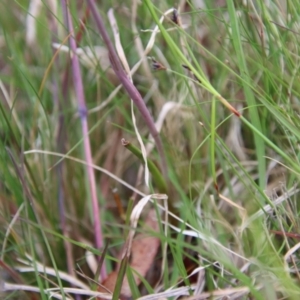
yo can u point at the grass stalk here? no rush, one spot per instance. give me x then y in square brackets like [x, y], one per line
[254, 116]
[157, 176]
[129, 87]
[82, 110]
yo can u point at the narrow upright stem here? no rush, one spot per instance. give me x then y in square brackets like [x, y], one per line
[129, 87]
[82, 110]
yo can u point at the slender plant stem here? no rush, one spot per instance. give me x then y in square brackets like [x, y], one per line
[82, 110]
[157, 177]
[129, 87]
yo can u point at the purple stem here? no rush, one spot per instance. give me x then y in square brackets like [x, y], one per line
[78, 86]
[129, 87]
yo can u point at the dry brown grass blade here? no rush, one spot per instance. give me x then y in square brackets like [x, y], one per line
[143, 251]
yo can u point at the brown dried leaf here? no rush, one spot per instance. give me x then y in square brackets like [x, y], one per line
[144, 248]
[143, 251]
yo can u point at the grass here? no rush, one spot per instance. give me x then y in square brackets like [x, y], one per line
[221, 84]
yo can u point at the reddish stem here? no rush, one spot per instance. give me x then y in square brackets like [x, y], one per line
[129, 87]
[82, 110]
